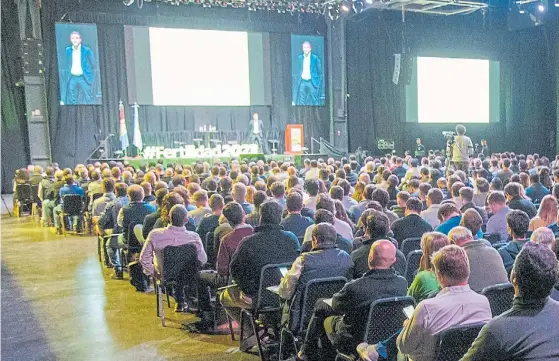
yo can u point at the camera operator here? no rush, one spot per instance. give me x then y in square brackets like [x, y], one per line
[461, 149]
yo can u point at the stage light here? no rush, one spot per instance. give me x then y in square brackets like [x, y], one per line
[344, 7]
[370, 2]
[541, 8]
[333, 12]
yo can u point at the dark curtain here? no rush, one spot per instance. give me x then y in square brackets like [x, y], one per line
[15, 143]
[76, 130]
[377, 106]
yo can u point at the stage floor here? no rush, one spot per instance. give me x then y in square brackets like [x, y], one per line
[58, 303]
[139, 161]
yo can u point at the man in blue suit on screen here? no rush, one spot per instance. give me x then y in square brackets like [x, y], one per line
[310, 76]
[80, 67]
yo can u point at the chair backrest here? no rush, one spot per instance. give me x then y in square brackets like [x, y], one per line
[73, 204]
[24, 193]
[208, 242]
[492, 237]
[412, 264]
[130, 237]
[386, 316]
[410, 244]
[455, 341]
[400, 264]
[180, 262]
[270, 275]
[35, 193]
[315, 289]
[89, 200]
[500, 297]
[139, 232]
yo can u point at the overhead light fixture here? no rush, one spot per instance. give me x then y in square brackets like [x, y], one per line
[370, 2]
[344, 7]
[333, 12]
[541, 8]
[358, 6]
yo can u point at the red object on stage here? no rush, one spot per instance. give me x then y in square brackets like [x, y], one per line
[294, 139]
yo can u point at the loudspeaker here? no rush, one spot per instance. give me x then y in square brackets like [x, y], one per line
[403, 68]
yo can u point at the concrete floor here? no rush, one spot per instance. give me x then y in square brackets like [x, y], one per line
[58, 303]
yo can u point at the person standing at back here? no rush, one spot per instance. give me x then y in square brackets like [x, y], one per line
[461, 149]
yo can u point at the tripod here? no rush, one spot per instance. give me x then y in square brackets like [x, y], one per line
[5, 205]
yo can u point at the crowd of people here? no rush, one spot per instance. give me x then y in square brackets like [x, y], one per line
[342, 218]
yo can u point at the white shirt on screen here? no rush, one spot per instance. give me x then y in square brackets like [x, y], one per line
[255, 127]
[77, 61]
[306, 74]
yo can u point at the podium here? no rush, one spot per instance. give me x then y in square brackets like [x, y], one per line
[294, 139]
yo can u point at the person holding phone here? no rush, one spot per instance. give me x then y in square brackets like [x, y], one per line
[456, 304]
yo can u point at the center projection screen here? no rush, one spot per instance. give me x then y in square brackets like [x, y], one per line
[191, 67]
[453, 90]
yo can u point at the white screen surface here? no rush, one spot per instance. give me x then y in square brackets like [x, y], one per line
[199, 67]
[453, 90]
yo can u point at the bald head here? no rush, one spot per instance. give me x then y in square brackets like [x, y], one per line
[544, 236]
[382, 255]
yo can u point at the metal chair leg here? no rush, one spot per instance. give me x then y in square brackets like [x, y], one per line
[168, 299]
[258, 341]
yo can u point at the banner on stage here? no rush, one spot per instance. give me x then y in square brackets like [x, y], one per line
[190, 151]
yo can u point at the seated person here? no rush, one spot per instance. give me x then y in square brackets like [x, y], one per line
[497, 223]
[547, 215]
[343, 228]
[150, 219]
[324, 216]
[467, 197]
[400, 207]
[69, 188]
[294, 221]
[343, 325]
[518, 223]
[486, 266]
[234, 214]
[151, 257]
[324, 261]
[254, 218]
[536, 191]
[425, 282]
[239, 194]
[450, 217]
[434, 199]
[211, 221]
[456, 304]
[378, 227]
[268, 245]
[200, 199]
[516, 200]
[528, 331]
[412, 225]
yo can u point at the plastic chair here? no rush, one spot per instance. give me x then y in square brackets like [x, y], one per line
[314, 290]
[266, 302]
[500, 297]
[410, 244]
[24, 198]
[72, 206]
[386, 317]
[180, 264]
[455, 341]
[412, 265]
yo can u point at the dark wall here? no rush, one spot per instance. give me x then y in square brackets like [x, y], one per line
[76, 130]
[377, 106]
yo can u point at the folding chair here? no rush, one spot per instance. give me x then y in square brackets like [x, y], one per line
[455, 341]
[266, 302]
[208, 242]
[180, 264]
[35, 200]
[72, 207]
[400, 264]
[386, 317]
[132, 245]
[89, 212]
[500, 297]
[301, 309]
[412, 265]
[24, 199]
[410, 244]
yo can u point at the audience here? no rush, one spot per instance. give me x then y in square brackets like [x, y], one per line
[547, 215]
[518, 222]
[412, 225]
[497, 223]
[528, 331]
[516, 200]
[294, 221]
[434, 199]
[456, 304]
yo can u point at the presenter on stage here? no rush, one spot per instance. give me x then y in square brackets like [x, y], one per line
[256, 130]
[310, 71]
[81, 67]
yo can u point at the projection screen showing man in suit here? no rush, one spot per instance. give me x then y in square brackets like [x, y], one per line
[307, 53]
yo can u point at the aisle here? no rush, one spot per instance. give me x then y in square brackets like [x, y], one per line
[58, 303]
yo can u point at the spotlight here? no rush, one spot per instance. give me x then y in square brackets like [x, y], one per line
[557, 3]
[344, 7]
[333, 13]
[541, 8]
[370, 2]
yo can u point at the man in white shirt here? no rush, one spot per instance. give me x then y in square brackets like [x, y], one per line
[462, 149]
[80, 74]
[309, 85]
[256, 129]
[431, 214]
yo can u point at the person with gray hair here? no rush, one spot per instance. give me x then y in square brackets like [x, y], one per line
[239, 194]
[528, 331]
[546, 237]
[151, 257]
[456, 304]
[486, 265]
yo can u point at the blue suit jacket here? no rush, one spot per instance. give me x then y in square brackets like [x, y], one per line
[316, 71]
[88, 63]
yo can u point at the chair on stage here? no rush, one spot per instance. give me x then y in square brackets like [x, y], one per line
[197, 142]
[215, 142]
